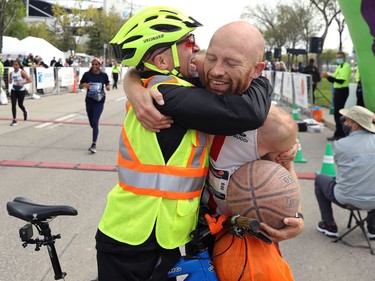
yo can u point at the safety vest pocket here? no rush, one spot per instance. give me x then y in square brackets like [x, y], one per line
[187, 207]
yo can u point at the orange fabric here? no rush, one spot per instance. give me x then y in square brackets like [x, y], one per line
[160, 169]
[264, 262]
[161, 193]
[127, 144]
[215, 222]
[128, 105]
[191, 157]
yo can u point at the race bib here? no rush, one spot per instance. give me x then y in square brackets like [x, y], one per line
[95, 88]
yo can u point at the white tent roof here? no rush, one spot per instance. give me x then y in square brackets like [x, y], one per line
[40, 47]
[12, 46]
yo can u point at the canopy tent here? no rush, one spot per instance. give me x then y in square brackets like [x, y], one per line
[40, 47]
[12, 46]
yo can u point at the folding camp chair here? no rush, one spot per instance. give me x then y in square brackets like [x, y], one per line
[359, 222]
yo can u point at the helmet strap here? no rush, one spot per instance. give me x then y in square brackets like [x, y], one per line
[176, 61]
[154, 68]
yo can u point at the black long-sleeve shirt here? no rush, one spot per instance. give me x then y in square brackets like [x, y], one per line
[202, 110]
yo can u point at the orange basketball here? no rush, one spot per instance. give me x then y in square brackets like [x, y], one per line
[263, 190]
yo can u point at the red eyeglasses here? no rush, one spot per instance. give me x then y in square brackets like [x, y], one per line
[189, 41]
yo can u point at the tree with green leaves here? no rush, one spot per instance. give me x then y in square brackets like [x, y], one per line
[69, 27]
[12, 22]
[102, 29]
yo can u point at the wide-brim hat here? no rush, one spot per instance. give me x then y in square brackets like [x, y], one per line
[361, 115]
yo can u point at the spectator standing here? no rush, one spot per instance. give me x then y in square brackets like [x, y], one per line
[94, 81]
[52, 63]
[294, 68]
[59, 63]
[20, 59]
[300, 67]
[39, 63]
[314, 72]
[116, 71]
[18, 78]
[7, 64]
[29, 61]
[340, 80]
[354, 156]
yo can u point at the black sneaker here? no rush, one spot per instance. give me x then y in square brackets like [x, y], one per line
[26, 115]
[371, 232]
[92, 148]
[14, 123]
[334, 138]
[371, 236]
[328, 230]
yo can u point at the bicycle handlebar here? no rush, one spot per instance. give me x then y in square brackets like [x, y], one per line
[248, 223]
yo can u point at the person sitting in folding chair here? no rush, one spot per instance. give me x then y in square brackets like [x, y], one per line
[354, 156]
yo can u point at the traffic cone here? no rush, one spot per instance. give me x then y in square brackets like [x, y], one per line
[299, 158]
[295, 112]
[328, 165]
[332, 107]
[75, 81]
[331, 110]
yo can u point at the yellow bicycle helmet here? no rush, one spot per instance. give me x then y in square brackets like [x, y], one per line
[148, 30]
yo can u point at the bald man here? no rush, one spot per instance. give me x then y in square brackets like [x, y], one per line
[228, 69]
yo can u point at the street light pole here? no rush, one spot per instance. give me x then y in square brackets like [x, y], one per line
[104, 53]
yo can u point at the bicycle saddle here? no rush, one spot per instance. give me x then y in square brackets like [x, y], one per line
[25, 209]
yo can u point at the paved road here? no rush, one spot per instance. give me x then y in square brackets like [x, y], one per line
[48, 161]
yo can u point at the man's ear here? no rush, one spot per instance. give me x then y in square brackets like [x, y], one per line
[160, 61]
[259, 67]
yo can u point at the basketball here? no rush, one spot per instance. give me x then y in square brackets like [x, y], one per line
[263, 190]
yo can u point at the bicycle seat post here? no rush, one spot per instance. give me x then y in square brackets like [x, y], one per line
[49, 242]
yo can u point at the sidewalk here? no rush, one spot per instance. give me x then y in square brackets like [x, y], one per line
[328, 119]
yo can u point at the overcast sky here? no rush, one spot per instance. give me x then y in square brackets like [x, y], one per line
[215, 13]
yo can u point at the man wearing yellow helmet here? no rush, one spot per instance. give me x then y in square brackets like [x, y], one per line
[154, 207]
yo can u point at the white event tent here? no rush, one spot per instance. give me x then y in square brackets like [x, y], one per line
[40, 47]
[12, 46]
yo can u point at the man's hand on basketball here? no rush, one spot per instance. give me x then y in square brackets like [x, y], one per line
[294, 226]
[286, 158]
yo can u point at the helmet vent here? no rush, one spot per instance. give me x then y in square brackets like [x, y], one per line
[151, 18]
[166, 27]
[131, 39]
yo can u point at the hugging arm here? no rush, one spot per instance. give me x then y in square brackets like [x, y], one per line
[142, 102]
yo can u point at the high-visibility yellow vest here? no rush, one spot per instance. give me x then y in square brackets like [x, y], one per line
[152, 194]
[116, 69]
[343, 72]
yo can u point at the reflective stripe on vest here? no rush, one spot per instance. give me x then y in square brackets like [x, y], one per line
[181, 180]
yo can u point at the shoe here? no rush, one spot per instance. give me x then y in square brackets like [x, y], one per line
[26, 115]
[371, 236]
[14, 123]
[333, 138]
[92, 148]
[328, 230]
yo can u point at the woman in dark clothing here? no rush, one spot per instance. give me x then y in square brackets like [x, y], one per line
[94, 81]
[18, 78]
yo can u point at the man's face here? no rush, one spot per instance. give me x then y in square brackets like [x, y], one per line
[339, 56]
[227, 67]
[187, 50]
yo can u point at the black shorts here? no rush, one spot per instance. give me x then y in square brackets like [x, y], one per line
[123, 262]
